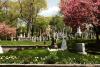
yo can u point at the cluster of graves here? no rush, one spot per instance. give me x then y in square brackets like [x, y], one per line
[57, 36]
[61, 36]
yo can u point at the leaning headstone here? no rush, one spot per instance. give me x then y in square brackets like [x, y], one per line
[1, 50]
[64, 45]
[80, 47]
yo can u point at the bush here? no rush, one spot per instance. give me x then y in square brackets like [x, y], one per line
[59, 43]
[51, 59]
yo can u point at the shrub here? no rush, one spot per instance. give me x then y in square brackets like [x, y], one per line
[51, 59]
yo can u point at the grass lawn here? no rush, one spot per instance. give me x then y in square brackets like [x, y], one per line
[4, 43]
[69, 42]
[43, 56]
[33, 53]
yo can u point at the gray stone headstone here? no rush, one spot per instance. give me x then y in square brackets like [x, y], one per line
[80, 47]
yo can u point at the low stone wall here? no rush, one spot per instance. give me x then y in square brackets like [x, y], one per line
[50, 65]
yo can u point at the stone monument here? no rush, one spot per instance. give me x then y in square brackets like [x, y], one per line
[64, 44]
[1, 50]
[80, 47]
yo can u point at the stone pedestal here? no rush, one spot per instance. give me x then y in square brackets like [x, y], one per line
[80, 48]
[1, 50]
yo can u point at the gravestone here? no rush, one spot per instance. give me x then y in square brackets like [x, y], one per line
[80, 48]
[12, 38]
[34, 39]
[64, 44]
[40, 38]
[79, 32]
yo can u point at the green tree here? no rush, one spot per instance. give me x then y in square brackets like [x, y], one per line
[9, 12]
[42, 23]
[29, 10]
[57, 23]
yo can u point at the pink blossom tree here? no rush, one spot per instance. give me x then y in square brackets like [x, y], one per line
[7, 31]
[78, 12]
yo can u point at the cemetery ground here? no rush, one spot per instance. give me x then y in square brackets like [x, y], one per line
[43, 56]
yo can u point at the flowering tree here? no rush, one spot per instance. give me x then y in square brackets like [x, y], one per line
[6, 31]
[78, 12]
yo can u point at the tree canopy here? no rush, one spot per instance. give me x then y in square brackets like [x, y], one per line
[77, 12]
[29, 10]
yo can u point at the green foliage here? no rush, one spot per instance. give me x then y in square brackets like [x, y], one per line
[57, 22]
[72, 43]
[74, 58]
[42, 23]
[42, 56]
[51, 59]
[24, 57]
[10, 13]
[2, 16]
[34, 53]
[36, 6]
[29, 10]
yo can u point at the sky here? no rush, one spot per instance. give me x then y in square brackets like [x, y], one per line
[53, 8]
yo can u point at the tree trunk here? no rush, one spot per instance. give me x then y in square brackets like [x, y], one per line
[28, 30]
[96, 32]
[97, 38]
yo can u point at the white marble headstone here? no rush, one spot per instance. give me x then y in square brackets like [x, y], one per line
[64, 44]
[79, 31]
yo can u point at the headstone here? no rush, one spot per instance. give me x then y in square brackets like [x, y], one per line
[80, 47]
[1, 50]
[34, 39]
[19, 38]
[12, 38]
[64, 44]
[79, 31]
[21, 35]
[40, 38]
